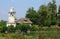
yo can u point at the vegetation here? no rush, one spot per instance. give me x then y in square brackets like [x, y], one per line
[46, 15]
[43, 33]
[46, 24]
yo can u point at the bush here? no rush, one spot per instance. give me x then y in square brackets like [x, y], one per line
[58, 24]
[3, 28]
[33, 28]
[11, 28]
[53, 23]
[23, 27]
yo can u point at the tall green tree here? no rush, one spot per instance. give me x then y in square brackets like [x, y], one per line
[59, 11]
[53, 9]
[31, 13]
[43, 14]
[58, 16]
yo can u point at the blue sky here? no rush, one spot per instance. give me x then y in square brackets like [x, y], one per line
[21, 6]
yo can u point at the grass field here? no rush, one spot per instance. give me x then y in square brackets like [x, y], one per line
[43, 33]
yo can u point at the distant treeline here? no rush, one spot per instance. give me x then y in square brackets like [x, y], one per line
[46, 15]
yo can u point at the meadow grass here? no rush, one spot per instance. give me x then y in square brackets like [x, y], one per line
[48, 33]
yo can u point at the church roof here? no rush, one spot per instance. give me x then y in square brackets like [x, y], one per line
[24, 20]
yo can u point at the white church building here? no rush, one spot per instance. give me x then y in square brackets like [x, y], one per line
[12, 19]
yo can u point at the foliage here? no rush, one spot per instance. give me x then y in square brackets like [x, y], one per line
[31, 13]
[58, 16]
[33, 28]
[43, 14]
[3, 27]
[2, 22]
[11, 28]
[49, 33]
[46, 15]
[53, 12]
[24, 27]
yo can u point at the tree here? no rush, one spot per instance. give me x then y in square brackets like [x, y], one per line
[58, 16]
[43, 14]
[46, 15]
[53, 9]
[58, 12]
[31, 13]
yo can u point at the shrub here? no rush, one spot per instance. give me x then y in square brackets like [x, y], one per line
[11, 28]
[34, 28]
[23, 27]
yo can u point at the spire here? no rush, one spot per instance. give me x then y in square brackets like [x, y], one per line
[12, 10]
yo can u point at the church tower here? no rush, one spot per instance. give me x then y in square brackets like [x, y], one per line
[11, 18]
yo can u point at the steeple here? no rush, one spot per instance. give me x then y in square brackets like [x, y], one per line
[12, 10]
[11, 18]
